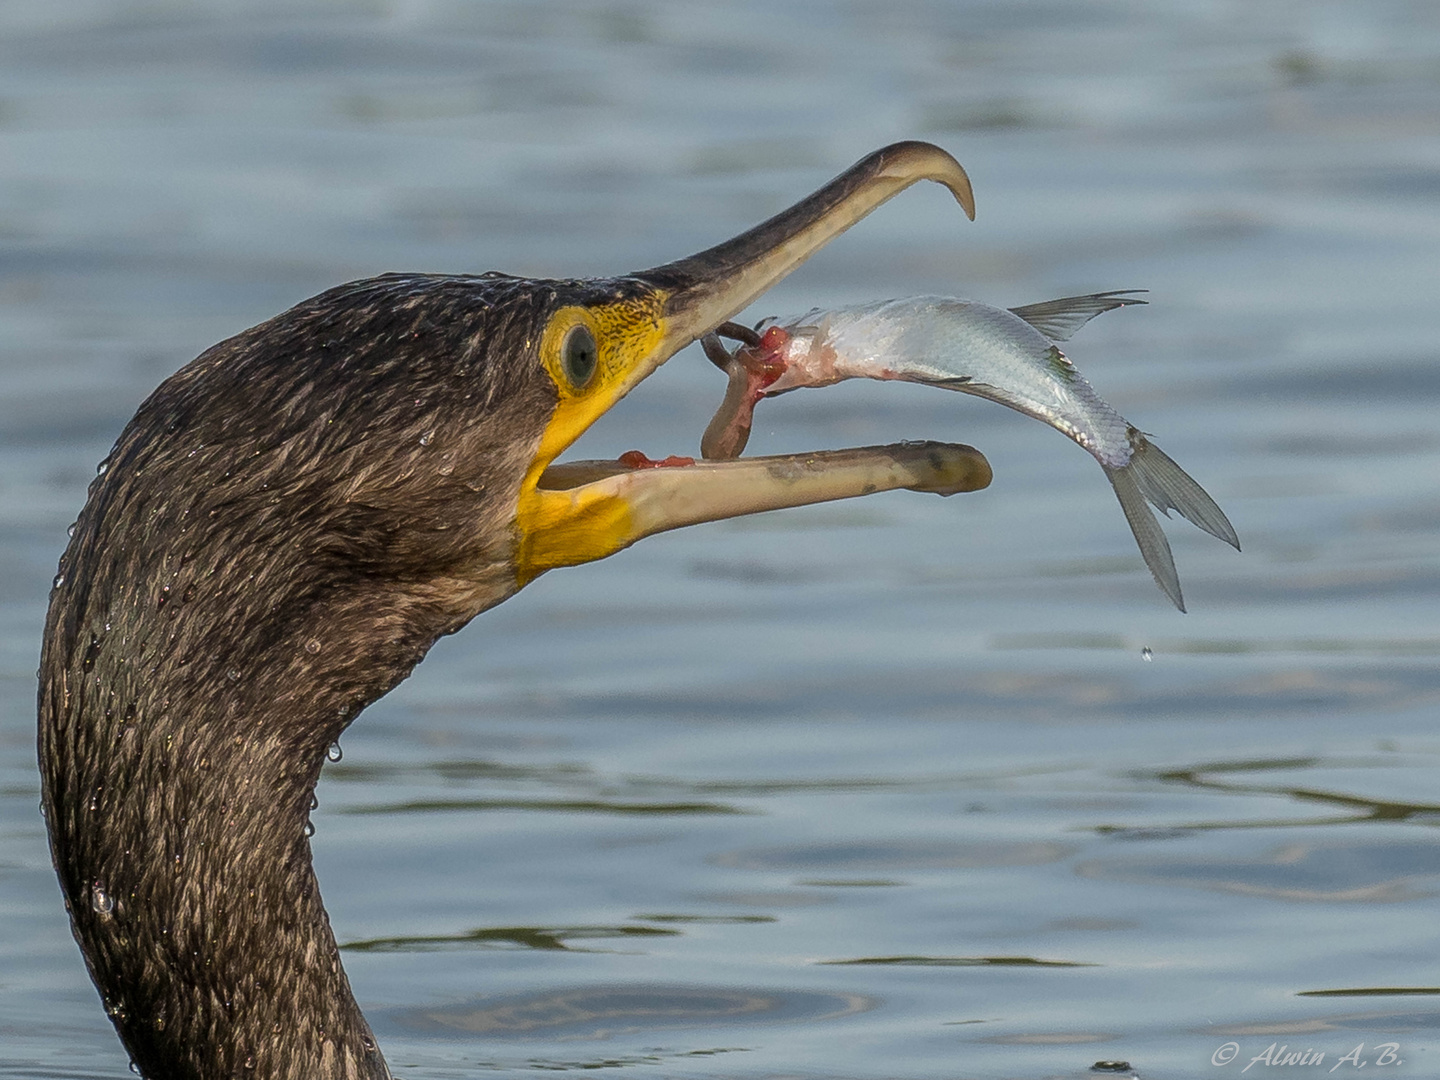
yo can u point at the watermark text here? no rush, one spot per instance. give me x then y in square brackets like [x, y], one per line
[1284, 1055]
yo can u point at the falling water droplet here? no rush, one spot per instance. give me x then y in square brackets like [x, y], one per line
[102, 468]
[309, 829]
[59, 580]
[233, 675]
[1146, 654]
[101, 900]
[313, 645]
[314, 801]
[70, 532]
[334, 753]
[425, 439]
[135, 1068]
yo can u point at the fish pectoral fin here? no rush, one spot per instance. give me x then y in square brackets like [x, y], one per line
[1059, 319]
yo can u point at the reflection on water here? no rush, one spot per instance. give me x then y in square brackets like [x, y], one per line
[524, 937]
[1369, 872]
[1234, 646]
[569, 806]
[877, 790]
[892, 854]
[1362, 809]
[1384, 1023]
[1065, 1038]
[603, 1012]
[958, 961]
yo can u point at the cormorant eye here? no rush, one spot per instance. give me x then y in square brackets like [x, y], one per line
[578, 356]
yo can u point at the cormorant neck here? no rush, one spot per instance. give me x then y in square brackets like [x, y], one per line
[186, 707]
[180, 830]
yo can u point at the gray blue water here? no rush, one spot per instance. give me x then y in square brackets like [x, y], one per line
[878, 790]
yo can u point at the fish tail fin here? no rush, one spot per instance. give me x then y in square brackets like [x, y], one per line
[1170, 487]
[1153, 545]
[1151, 476]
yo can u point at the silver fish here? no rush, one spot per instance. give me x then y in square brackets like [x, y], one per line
[1009, 356]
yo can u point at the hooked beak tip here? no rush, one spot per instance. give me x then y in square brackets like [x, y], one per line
[713, 286]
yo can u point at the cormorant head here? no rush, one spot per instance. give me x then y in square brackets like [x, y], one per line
[386, 449]
[376, 465]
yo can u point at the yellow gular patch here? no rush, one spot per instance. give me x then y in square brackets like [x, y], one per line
[566, 528]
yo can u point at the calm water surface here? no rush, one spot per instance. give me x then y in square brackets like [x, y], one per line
[884, 789]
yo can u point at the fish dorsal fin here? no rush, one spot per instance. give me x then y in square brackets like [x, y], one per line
[1058, 319]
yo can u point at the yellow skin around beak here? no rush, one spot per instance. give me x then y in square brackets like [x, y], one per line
[579, 512]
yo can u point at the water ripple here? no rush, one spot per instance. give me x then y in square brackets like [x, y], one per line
[603, 1012]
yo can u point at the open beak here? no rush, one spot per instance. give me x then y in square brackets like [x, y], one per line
[577, 512]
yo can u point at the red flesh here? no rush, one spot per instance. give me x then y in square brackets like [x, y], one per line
[635, 459]
[767, 363]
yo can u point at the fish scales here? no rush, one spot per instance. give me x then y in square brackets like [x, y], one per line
[1009, 356]
[961, 345]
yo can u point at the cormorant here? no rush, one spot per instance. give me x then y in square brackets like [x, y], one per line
[281, 533]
